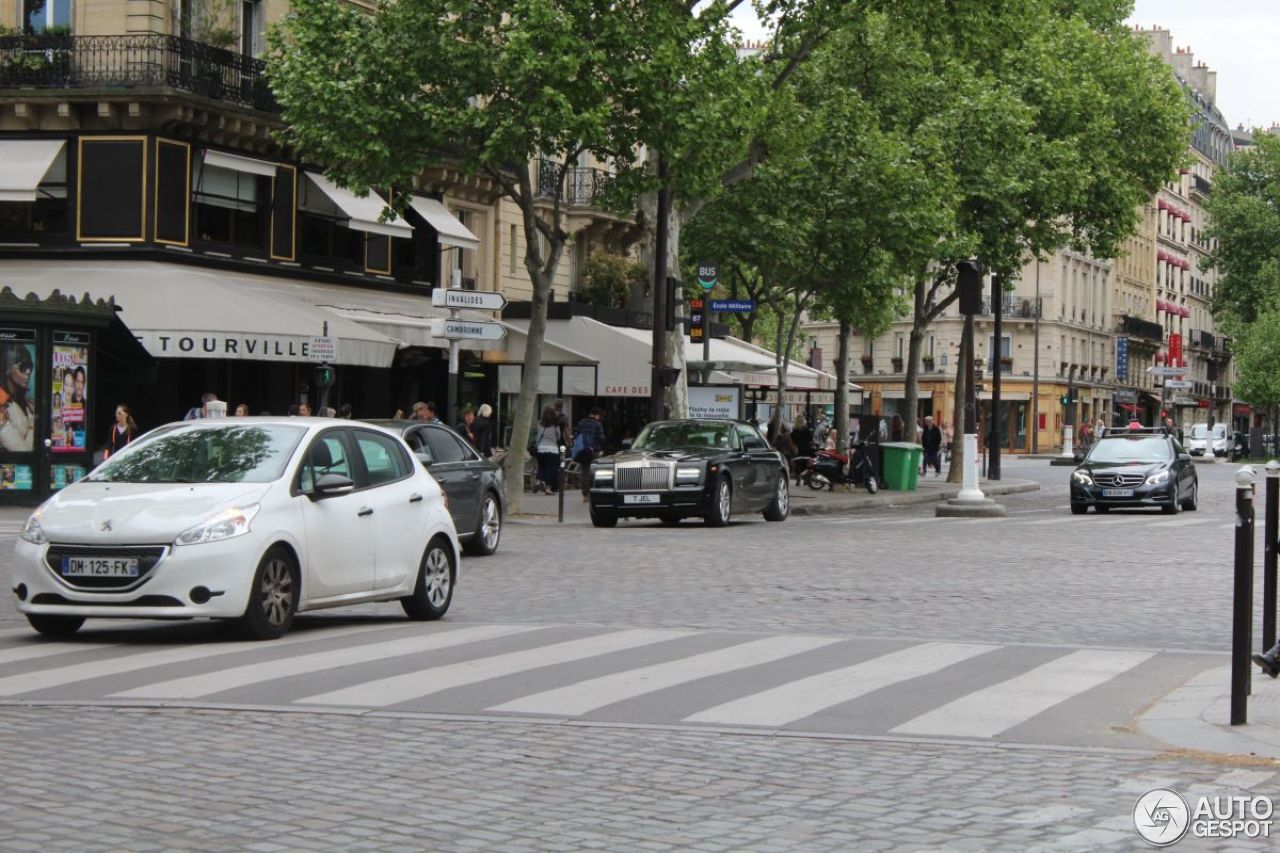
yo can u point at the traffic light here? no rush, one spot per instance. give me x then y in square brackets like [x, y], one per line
[324, 376]
[1066, 399]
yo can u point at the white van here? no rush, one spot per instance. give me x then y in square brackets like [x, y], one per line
[1202, 440]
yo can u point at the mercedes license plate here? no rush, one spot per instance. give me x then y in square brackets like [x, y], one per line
[100, 567]
[642, 499]
[1117, 493]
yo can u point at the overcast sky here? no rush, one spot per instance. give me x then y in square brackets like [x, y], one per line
[1236, 38]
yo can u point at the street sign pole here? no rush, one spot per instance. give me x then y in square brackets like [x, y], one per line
[708, 275]
[451, 408]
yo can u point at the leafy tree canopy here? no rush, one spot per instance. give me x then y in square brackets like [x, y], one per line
[1245, 217]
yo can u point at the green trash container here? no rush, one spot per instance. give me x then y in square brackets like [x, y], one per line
[901, 465]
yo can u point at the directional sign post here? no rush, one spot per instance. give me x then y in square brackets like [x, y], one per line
[708, 275]
[1178, 384]
[733, 306]
[1166, 371]
[456, 329]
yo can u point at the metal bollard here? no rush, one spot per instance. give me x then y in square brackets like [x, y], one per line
[1242, 598]
[560, 485]
[1271, 530]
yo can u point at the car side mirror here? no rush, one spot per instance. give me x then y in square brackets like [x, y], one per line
[331, 485]
[1184, 457]
[424, 457]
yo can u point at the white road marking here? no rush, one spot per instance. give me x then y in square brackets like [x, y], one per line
[596, 693]
[992, 710]
[195, 686]
[13, 654]
[59, 676]
[1182, 522]
[424, 682]
[1063, 520]
[807, 696]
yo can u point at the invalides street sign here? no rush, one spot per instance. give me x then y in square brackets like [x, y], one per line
[480, 300]
[468, 330]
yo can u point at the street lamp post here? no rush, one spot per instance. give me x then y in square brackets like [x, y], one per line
[970, 286]
[1035, 372]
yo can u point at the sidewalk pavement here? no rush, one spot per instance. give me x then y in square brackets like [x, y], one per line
[1197, 716]
[544, 509]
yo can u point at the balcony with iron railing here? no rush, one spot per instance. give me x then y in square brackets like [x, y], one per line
[584, 186]
[1013, 308]
[129, 63]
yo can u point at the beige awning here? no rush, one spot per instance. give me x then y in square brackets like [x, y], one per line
[23, 165]
[449, 230]
[364, 214]
[237, 163]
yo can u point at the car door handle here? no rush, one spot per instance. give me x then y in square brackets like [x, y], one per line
[475, 476]
[366, 511]
[415, 499]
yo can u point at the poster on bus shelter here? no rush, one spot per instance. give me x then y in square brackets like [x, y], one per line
[70, 397]
[18, 414]
[15, 477]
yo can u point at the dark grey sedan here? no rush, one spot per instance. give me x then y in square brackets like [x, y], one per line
[472, 483]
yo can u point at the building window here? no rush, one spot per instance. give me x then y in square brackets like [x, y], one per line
[252, 28]
[230, 206]
[322, 233]
[39, 16]
[48, 214]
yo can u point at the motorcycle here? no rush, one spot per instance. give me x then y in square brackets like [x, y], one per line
[829, 467]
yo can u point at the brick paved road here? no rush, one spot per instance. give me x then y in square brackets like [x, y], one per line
[213, 780]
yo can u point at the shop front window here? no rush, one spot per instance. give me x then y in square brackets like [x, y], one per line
[48, 214]
[230, 206]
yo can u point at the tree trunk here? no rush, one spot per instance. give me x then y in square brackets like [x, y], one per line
[842, 386]
[956, 471]
[676, 395]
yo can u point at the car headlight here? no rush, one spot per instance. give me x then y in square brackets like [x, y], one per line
[688, 475]
[1157, 478]
[225, 525]
[32, 531]
[1081, 477]
[603, 475]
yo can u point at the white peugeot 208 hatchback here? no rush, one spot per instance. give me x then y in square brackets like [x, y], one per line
[252, 519]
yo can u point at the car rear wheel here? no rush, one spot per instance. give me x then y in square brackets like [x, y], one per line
[273, 599]
[433, 592]
[55, 626]
[484, 541]
[721, 509]
[1192, 503]
[780, 504]
[1079, 509]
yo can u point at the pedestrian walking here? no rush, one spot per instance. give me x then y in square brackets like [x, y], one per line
[242, 410]
[123, 431]
[546, 446]
[897, 428]
[463, 427]
[931, 441]
[345, 411]
[1100, 428]
[566, 430]
[304, 409]
[202, 410]
[482, 427]
[588, 443]
[1269, 661]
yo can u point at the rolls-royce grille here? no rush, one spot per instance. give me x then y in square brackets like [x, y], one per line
[58, 556]
[643, 479]
[1119, 479]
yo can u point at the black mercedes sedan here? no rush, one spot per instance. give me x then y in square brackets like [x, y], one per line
[1135, 468]
[472, 483]
[677, 469]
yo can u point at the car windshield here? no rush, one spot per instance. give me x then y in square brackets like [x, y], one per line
[1136, 449]
[1199, 431]
[678, 436]
[230, 454]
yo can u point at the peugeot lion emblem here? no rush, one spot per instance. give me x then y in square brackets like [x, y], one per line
[106, 526]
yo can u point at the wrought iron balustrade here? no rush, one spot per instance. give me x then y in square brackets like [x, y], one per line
[134, 61]
[1013, 308]
[583, 185]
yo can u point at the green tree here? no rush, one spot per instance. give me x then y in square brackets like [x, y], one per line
[1244, 214]
[1257, 354]
[502, 85]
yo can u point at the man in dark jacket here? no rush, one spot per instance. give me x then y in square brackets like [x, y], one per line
[931, 439]
[589, 443]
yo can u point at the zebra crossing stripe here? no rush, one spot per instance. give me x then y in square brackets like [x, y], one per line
[1000, 707]
[195, 686]
[807, 696]
[59, 676]
[44, 650]
[424, 682]
[586, 696]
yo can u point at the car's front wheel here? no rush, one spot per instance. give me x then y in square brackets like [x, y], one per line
[721, 509]
[273, 599]
[1192, 503]
[780, 505]
[484, 541]
[52, 625]
[433, 592]
[1172, 507]
[603, 518]
[1079, 509]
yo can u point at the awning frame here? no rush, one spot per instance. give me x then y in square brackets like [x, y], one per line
[449, 229]
[239, 163]
[26, 159]
[363, 214]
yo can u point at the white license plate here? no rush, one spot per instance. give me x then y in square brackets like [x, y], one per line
[1117, 493]
[100, 567]
[642, 499]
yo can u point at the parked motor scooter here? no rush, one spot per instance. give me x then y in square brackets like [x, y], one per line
[829, 467]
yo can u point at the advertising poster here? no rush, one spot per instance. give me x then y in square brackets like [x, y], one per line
[18, 412]
[15, 478]
[70, 392]
[61, 476]
[723, 402]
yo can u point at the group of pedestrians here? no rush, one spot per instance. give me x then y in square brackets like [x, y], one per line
[581, 444]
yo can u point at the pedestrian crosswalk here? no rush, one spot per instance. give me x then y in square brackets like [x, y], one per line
[669, 676]
[1203, 521]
